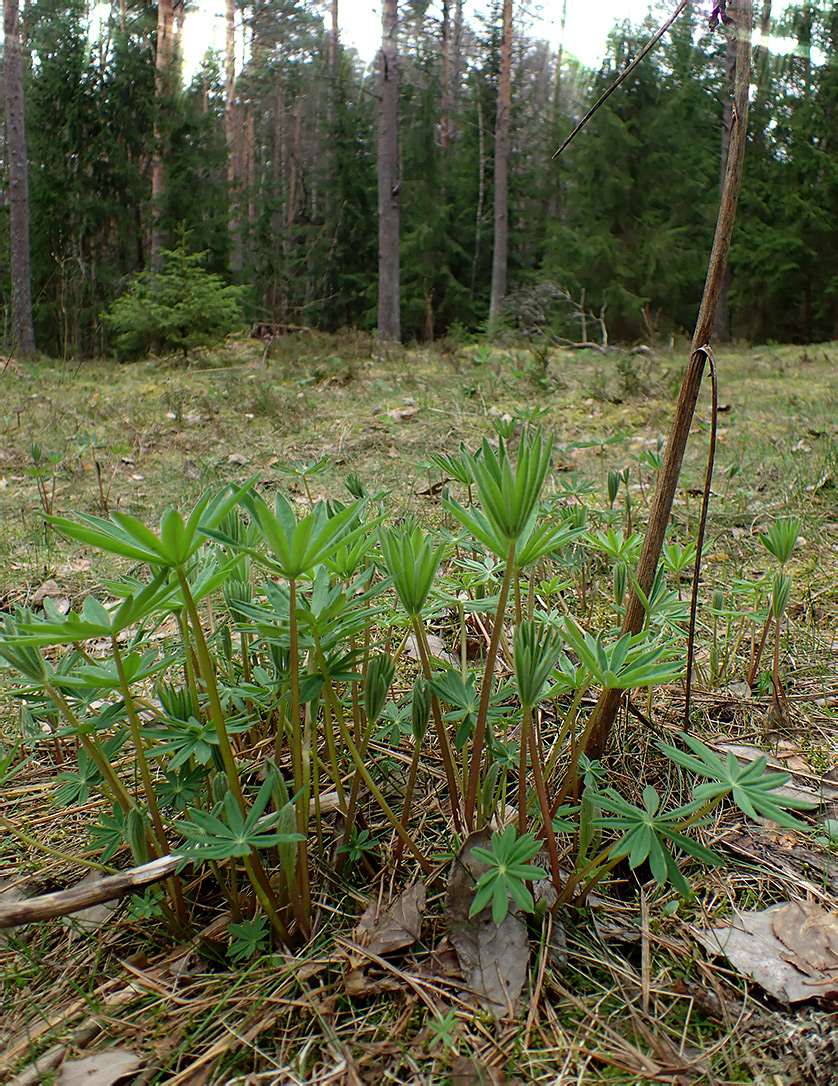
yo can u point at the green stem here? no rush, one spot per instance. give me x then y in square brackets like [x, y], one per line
[32, 842]
[174, 883]
[571, 775]
[479, 740]
[543, 802]
[267, 899]
[454, 786]
[253, 864]
[118, 790]
[567, 724]
[328, 725]
[300, 759]
[526, 723]
[381, 801]
[408, 799]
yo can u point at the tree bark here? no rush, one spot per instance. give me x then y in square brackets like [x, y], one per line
[481, 182]
[389, 319]
[721, 325]
[232, 138]
[501, 244]
[334, 61]
[605, 710]
[447, 85]
[22, 329]
[163, 90]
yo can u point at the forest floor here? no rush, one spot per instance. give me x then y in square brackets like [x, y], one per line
[631, 995]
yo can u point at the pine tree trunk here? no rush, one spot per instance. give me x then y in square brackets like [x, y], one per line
[231, 134]
[22, 330]
[331, 200]
[389, 320]
[277, 294]
[334, 55]
[456, 67]
[481, 183]
[501, 245]
[557, 199]
[721, 325]
[163, 88]
[445, 120]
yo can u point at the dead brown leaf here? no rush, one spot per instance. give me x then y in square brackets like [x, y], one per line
[102, 1069]
[383, 931]
[467, 1071]
[810, 933]
[786, 970]
[48, 588]
[436, 647]
[403, 414]
[358, 982]
[493, 957]
[77, 565]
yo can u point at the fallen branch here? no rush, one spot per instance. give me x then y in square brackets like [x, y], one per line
[83, 895]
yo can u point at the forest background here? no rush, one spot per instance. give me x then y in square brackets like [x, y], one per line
[272, 170]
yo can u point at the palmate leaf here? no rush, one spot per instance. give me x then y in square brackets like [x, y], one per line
[751, 787]
[507, 875]
[631, 661]
[644, 833]
[216, 839]
[297, 546]
[128, 537]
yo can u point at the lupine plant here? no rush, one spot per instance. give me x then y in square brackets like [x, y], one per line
[218, 733]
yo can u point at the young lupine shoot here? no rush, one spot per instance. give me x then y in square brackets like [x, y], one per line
[677, 558]
[614, 480]
[620, 582]
[504, 426]
[412, 561]
[299, 470]
[508, 500]
[508, 496]
[617, 546]
[536, 649]
[508, 874]
[781, 538]
[780, 591]
[379, 677]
